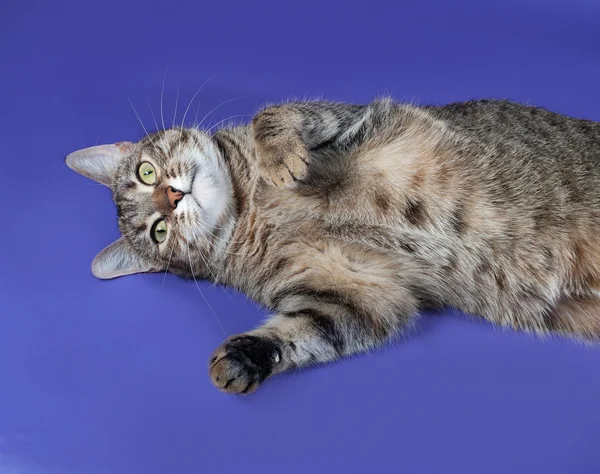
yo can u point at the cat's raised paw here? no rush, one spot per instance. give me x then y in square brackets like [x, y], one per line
[282, 156]
[283, 165]
[243, 362]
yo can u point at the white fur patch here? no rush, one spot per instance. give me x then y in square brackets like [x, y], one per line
[211, 187]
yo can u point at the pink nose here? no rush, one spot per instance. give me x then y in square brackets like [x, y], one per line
[174, 196]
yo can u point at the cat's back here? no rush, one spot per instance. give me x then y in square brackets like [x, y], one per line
[523, 131]
[527, 157]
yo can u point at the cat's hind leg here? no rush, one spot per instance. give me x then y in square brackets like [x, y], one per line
[576, 317]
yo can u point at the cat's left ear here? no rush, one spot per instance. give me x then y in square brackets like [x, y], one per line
[119, 260]
[99, 163]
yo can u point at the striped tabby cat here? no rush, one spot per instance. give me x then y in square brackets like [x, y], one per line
[346, 220]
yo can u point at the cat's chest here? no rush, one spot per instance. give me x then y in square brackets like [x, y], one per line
[282, 220]
[365, 208]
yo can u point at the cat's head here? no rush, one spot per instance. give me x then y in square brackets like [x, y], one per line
[174, 200]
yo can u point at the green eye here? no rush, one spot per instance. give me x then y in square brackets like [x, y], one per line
[147, 173]
[159, 231]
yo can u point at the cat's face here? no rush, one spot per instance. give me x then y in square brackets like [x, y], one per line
[173, 196]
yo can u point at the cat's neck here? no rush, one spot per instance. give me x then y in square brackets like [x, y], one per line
[236, 149]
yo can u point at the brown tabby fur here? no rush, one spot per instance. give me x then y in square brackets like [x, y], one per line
[345, 220]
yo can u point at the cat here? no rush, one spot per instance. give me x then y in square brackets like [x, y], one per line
[346, 220]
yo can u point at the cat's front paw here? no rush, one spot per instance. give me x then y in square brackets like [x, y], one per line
[283, 165]
[242, 363]
[282, 157]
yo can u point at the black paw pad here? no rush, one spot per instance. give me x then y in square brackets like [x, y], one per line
[242, 363]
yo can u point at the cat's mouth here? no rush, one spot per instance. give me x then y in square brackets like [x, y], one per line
[194, 192]
[196, 201]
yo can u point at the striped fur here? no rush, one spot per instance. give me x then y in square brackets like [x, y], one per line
[345, 220]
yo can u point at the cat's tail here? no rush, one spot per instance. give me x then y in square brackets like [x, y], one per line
[576, 317]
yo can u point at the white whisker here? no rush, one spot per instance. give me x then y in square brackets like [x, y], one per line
[153, 116]
[138, 116]
[142, 124]
[224, 120]
[225, 251]
[187, 109]
[192, 101]
[176, 104]
[216, 280]
[202, 294]
[162, 90]
[167, 269]
[217, 107]
[162, 138]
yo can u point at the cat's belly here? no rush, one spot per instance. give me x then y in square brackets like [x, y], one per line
[463, 250]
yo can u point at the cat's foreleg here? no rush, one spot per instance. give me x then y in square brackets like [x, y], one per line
[318, 333]
[305, 143]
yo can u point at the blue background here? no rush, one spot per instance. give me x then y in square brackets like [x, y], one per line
[110, 377]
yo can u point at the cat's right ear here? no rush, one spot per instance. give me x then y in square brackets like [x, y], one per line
[118, 260]
[99, 163]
